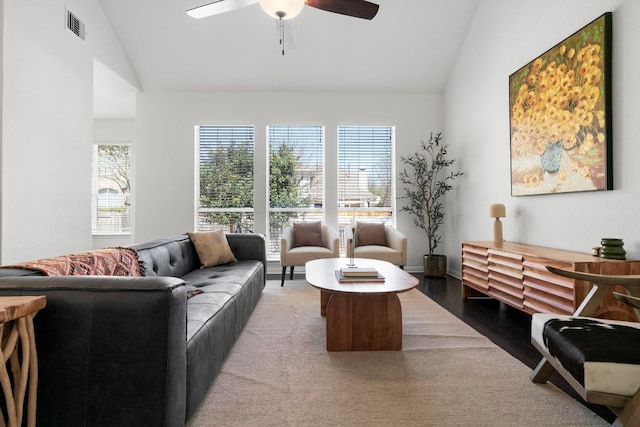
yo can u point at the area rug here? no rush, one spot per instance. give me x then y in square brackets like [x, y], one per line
[280, 374]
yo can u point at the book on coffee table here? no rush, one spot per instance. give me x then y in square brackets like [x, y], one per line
[355, 279]
[359, 271]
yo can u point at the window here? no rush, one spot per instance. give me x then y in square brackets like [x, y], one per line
[112, 189]
[365, 176]
[225, 155]
[295, 186]
[296, 180]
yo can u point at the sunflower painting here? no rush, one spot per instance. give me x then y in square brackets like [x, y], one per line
[560, 112]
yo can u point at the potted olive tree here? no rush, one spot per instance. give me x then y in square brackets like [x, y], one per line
[425, 181]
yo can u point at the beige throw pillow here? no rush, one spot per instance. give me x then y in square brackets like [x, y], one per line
[213, 248]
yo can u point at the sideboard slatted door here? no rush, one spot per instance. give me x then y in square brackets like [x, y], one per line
[515, 274]
[505, 277]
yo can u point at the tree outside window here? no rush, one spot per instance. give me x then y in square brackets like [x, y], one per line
[112, 189]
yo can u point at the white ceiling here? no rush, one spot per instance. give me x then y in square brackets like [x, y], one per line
[410, 46]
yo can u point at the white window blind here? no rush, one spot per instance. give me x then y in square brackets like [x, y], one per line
[365, 176]
[296, 166]
[365, 166]
[111, 189]
[225, 178]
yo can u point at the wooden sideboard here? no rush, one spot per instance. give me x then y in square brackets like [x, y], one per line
[515, 274]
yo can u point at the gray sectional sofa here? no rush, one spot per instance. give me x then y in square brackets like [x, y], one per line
[135, 351]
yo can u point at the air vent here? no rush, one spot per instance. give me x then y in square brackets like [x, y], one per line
[75, 25]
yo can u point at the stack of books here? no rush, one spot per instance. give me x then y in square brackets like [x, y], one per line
[359, 274]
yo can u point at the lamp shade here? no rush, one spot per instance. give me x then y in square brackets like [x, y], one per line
[497, 211]
[285, 9]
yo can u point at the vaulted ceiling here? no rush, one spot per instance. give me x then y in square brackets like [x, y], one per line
[410, 46]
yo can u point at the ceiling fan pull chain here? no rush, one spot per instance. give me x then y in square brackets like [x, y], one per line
[281, 16]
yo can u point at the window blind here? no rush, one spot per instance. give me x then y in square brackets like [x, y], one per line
[225, 163]
[365, 166]
[296, 172]
[226, 166]
[111, 189]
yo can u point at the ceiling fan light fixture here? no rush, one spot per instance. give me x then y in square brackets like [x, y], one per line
[282, 9]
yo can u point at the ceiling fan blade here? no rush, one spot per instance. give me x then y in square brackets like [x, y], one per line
[356, 8]
[217, 7]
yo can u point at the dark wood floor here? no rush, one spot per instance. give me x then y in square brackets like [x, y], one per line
[505, 326]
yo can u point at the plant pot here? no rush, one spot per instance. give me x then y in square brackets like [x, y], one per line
[435, 265]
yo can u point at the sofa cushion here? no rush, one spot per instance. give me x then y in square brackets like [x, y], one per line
[214, 279]
[213, 248]
[368, 233]
[307, 233]
[174, 256]
[215, 319]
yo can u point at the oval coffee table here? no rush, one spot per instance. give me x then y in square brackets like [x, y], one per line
[362, 315]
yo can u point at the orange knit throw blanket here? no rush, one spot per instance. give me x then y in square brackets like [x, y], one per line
[99, 262]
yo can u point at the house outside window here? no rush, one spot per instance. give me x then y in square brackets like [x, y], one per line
[225, 178]
[366, 190]
[111, 203]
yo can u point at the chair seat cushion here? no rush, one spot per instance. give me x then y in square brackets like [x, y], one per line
[300, 256]
[382, 253]
[602, 355]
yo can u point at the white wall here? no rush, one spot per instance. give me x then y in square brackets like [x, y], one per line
[504, 36]
[48, 125]
[165, 145]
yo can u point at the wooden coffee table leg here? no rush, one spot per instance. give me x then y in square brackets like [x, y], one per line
[364, 322]
[324, 299]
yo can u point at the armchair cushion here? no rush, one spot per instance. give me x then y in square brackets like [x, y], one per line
[307, 233]
[368, 233]
[212, 248]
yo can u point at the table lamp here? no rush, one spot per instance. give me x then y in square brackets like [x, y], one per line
[497, 211]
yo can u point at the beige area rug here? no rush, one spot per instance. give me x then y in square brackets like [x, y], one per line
[280, 374]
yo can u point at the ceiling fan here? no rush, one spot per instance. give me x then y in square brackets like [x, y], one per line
[288, 9]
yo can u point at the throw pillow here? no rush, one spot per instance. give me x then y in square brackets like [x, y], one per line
[307, 233]
[213, 248]
[368, 233]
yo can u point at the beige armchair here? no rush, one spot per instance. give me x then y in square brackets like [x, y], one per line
[377, 241]
[306, 241]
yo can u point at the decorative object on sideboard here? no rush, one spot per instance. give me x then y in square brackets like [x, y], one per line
[424, 188]
[612, 248]
[497, 211]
